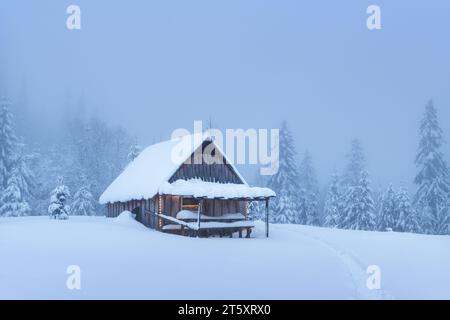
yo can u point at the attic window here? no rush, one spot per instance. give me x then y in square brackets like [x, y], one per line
[191, 204]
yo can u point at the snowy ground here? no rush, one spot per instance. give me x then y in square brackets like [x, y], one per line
[123, 259]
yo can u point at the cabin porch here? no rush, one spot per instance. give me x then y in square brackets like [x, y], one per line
[198, 208]
[191, 223]
[204, 209]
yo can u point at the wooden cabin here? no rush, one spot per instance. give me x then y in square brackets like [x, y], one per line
[169, 190]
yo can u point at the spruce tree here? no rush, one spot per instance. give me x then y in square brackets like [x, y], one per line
[377, 194]
[359, 206]
[257, 209]
[408, 219]
[444, 218]
[302, 207]
[12, 201]
[308, 193]
[356, 165]
[432, 179]
[83, 202]
[8, 142]
[284, 207]
[354, 185]
[25, 175]
[387, 217]
[333, 203]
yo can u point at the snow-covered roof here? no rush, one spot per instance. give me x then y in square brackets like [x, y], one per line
[156, 164]
[201, 189]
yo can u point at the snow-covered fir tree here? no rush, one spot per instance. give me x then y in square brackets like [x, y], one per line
[256, 209]
[83, 203]
[12, 201]
[26, 177]
[333, 203]
[432, 178]
[308, 193]
[408, 219]
[54, 161]
[359, 211]
[303, 204]
[387, 216]
[8, 142]
[58, 209]
[284, 207]
[356, 165]
[135, 150]
[377, 195]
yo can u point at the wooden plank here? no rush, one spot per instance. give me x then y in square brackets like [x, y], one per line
[223, 173]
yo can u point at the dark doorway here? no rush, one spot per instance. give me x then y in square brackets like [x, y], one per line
[138, 212]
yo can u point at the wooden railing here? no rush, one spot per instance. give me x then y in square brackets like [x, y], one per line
[175, 220]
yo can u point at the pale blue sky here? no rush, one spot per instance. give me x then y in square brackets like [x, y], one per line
[154, 66]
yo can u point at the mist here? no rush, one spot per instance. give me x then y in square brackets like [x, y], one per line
[153, 67]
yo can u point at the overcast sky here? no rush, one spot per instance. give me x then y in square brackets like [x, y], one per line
[154, 66]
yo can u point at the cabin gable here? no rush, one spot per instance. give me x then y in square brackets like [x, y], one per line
[222, 173]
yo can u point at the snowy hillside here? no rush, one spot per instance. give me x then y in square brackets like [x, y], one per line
[122, 259]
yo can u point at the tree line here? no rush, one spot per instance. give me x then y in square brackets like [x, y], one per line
[37, 176]
[350, 202]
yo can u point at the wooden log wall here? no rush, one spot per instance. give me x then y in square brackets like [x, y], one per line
[211, 207]
[223, 173]
[144, 210]
[171, 205]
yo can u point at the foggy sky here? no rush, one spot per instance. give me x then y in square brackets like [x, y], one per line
[154, 66]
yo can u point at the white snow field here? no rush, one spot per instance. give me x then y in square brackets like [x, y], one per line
[121, 259]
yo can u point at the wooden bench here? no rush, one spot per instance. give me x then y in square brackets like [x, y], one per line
[221, 226]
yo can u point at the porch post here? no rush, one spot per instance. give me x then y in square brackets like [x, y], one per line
[198, 216]
[267, 217]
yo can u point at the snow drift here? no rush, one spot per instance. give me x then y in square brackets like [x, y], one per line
[296, 262]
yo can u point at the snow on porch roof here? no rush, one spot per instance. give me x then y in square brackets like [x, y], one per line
[212, 190]
[155, 165]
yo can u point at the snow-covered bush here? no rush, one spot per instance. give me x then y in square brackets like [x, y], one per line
[58, 208]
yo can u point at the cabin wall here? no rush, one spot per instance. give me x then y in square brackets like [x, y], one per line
[219, 207]
[207, 172]
[149, 218]
[144, 210]
[171, 205]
